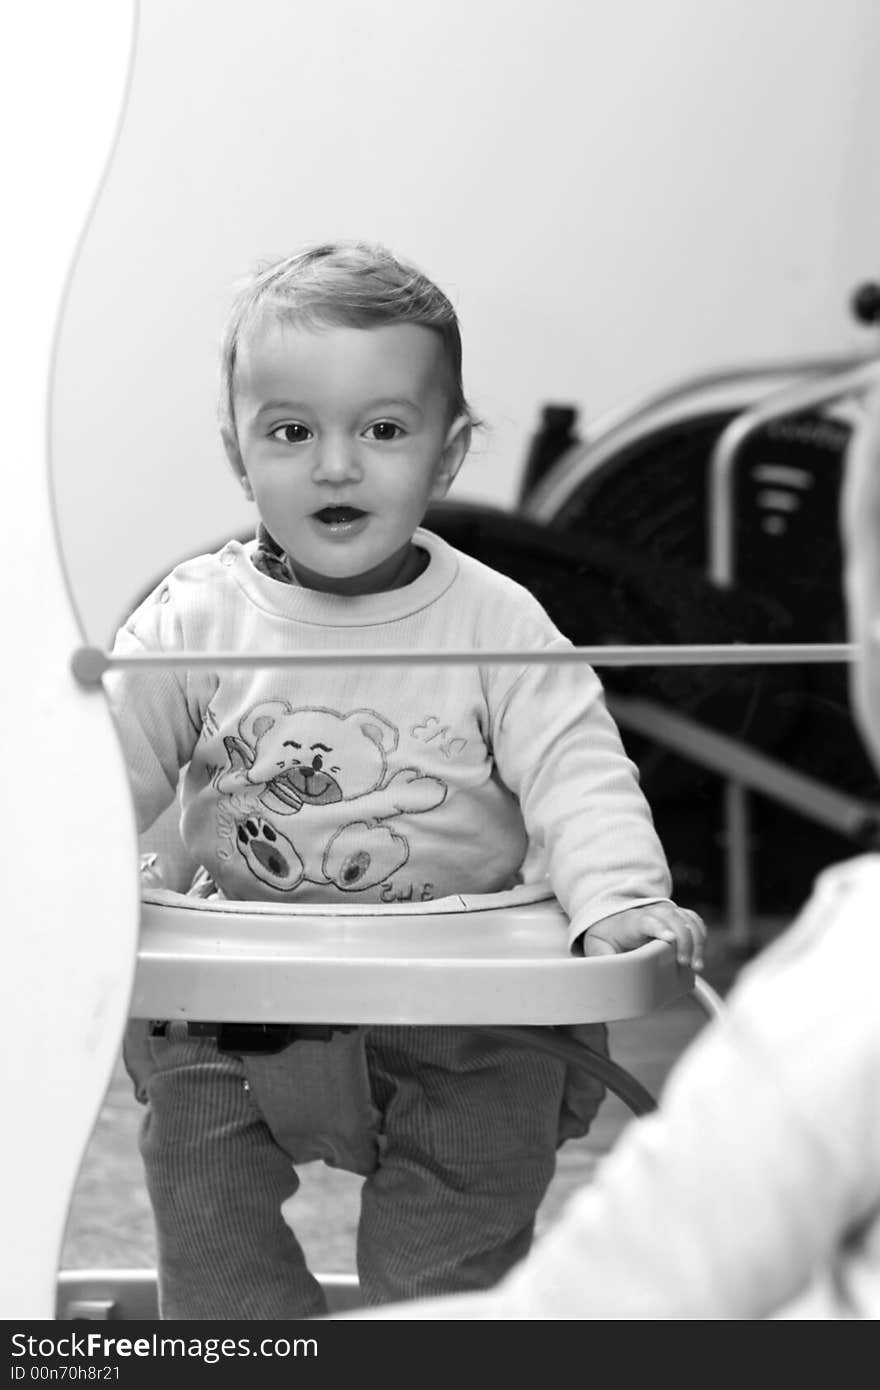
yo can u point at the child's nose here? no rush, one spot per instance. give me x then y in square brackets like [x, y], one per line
[336, 461]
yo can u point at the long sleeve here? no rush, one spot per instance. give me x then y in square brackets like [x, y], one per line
[158, 713]
[558, 749]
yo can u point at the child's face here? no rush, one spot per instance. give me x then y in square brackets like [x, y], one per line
[343, 438]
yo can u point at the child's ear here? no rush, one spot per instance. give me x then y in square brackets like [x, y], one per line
[233, 453]
[458, 441]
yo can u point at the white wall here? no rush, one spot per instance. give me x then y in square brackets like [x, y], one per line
[613, 192]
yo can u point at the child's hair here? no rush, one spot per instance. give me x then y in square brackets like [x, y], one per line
[344, 284]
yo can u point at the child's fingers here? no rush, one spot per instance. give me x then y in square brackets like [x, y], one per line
[698, 926]
[684, 930]
[593, 945]
[698, 936]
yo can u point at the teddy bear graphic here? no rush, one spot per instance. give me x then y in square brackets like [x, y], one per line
[319, 797]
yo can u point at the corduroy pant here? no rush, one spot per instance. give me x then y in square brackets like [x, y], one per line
[454, 1131]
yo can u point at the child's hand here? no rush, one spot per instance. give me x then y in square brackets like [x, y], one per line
[624, 931]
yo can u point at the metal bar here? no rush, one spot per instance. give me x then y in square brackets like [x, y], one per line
[791, 400]
[89, 664]
[620, 427]
[567, 1049]
[848, 815]
[798, 367]
[707, 998]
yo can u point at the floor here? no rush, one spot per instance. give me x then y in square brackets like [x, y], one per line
[110, 1225]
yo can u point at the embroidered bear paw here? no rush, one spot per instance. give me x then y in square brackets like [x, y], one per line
[268, 854]
[360, 856]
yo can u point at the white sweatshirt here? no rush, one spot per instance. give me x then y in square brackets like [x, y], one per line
[382, 784]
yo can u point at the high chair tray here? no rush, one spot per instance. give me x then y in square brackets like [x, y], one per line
[481, 959]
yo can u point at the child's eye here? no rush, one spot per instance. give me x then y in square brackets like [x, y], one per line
[290, 434]
[383, 431]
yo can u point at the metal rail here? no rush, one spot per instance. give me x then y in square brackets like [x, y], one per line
[791, 400]
[90, 664]
[730, 389]
[851, 816]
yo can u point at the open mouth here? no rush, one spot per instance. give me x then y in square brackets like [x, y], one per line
[338, 516]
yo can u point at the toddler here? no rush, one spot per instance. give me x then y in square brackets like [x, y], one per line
[343, 415]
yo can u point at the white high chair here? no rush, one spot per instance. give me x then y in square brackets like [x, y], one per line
[499, 961]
